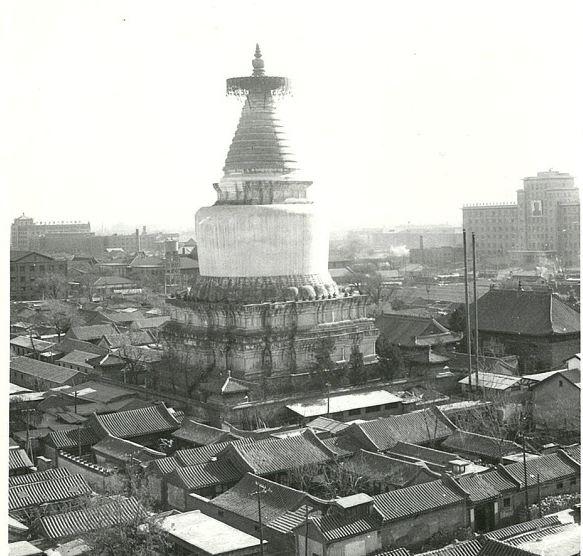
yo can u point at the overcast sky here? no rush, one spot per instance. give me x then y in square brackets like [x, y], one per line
[115, 112]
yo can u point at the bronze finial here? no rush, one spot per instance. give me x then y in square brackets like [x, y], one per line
[258, 63]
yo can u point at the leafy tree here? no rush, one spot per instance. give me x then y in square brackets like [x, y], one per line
[371, 285]
[391, 363]
[323, 362]
[53, 285]
[357, 373]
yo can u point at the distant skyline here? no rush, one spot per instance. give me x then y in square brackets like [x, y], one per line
[115, 112]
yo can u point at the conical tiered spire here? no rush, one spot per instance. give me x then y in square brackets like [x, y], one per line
[259, 145]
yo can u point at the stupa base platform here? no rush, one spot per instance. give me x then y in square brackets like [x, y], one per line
[269, 340]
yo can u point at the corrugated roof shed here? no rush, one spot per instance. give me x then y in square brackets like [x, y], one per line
[46, 492]
[68, 524]
[135, 422]
[527, 313]
[480, 445]
[44, 371]
[343, 402]
[493, 381]
[416, 499]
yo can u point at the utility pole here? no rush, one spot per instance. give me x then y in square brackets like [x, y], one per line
[468, 324]
[525, 477]
[476, 348]
[328, 399]
[261, 489]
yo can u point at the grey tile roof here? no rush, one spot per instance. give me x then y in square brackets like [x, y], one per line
[18, 459]
[71, 438]
[527, 313]
[334, 528]
[43, 371]
[500, 480]
[67, 345]
[92, 332]
[417, 427]
[162, 466]
[135, 422]
[201, 434]
[68, 524]
[423, 453]
[497, 548]
[549, 467]
[196, 477]
[326, 424]
[46, 492]
[391, 472]
[463, 548]
[574, 451]
[480, 445]
[46, 475]
[120, 449]
[202, 454]
[520, 528]
[280, 454]
[395, 552]
[416, 499]
[77, 357]
[341, 445]
[133, 338]
[277, 501]
[478, 489]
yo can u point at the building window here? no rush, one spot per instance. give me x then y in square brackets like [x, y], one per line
[374, 408]
[354, 411]
[559, 486]
[506, 502]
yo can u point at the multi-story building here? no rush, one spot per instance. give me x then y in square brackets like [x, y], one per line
[495, 227]
[542, 225]
[540, 216]
[25, 234]
[28, 269]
